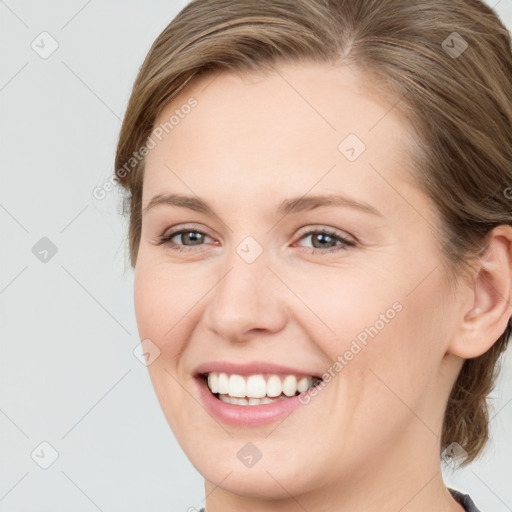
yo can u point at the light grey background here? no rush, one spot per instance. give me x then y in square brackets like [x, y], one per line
[68, 375]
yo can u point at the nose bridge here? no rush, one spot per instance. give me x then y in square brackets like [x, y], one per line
[242, 298]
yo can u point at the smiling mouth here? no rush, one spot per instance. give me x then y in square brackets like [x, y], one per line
[258, 389]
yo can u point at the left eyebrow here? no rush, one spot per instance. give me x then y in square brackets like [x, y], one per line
[306, 203]
[293, 205]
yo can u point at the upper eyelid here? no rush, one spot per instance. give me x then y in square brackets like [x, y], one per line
[181, 228]
[303, 230]
[322, 227]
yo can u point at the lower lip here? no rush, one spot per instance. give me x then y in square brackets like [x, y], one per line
[247, 415]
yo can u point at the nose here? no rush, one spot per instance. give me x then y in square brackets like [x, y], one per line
[248, 299]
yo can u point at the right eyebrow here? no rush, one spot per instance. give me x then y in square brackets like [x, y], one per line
[180, 200]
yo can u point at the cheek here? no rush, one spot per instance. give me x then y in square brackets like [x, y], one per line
[149, 302]
[161, 315]
[400, 363]
[379, 338]
[163, 297]
[168, 301]
[343, 308]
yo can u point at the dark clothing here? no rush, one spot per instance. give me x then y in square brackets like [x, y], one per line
[463, 499]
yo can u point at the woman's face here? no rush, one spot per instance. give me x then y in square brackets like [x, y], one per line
[249, 283]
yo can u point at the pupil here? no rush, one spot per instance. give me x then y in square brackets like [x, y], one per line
[195, 236]
[321, 236]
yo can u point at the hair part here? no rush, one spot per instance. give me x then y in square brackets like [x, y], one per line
[459, 110]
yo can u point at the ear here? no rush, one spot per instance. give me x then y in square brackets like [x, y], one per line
[491, 304]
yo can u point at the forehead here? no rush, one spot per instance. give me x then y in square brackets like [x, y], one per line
[295, 128]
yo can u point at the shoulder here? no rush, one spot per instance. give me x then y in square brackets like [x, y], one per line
[464, 499]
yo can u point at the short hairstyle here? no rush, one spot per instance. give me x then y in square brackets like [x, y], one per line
[445, 64]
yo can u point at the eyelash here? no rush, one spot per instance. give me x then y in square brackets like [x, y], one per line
[165, 239]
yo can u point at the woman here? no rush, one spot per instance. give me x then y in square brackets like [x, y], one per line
[321, 228]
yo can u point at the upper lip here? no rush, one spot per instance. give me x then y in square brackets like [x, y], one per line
[250, 368]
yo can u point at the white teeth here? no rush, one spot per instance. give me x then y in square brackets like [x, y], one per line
[304, 384]
[223, 383]
[290, 385]
[237, 386]
[267, 400]
[255, 387]
[274, 386]
[213, 382]
[249, 401]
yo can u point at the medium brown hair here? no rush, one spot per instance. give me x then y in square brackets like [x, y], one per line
[457, 98]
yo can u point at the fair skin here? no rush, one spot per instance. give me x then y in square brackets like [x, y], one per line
[369, 441]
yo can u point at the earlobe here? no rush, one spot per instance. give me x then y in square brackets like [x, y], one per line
[491, 309]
